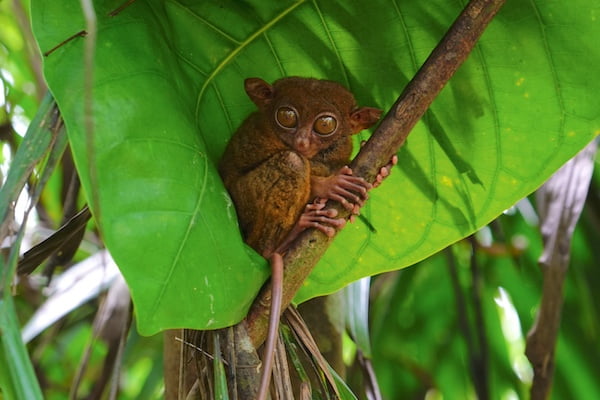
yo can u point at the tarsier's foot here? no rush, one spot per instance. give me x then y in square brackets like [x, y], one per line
[316, 216]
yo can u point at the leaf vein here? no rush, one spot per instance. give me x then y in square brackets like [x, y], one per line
[496, 122]
[207, 23]
[333, 43]
[184, 240]
[238, 49]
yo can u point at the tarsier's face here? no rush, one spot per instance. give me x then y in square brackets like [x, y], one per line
[308, 115]
[306, 133]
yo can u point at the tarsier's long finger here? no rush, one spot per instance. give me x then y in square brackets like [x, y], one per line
[334, 222]
[327, 213]
[352, 197]
[328, 226]
[340, 198]
[359, 186]
[343, 201]
[327, 230]
[385, 171]
[345, 170]
[316, 205]
[347, 174]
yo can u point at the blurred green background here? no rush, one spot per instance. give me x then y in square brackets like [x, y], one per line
[455, 318]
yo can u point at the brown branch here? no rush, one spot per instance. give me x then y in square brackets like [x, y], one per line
[67, 40]
[480, 359]
[391, 134]
[560, 202]
[462, 314]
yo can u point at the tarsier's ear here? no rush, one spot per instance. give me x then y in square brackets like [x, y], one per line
[363, 118]
[259, 91]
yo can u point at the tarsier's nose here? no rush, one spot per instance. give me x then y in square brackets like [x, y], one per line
[302, 143]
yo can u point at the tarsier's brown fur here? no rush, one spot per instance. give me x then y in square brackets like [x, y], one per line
[272, 172]
[285, 161]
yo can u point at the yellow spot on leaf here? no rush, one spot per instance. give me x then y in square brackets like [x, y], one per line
[520, 81]
[571, 133]
[446, 181]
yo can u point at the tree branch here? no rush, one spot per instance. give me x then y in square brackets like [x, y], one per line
[560, 202]
[391, 134]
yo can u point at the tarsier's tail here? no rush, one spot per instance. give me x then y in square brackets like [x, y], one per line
[276, 289]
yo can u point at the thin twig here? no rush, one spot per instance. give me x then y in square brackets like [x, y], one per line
[560, 202]
[461, 308]
[480, 358]
[197, 348]
[67, 40]
[118, 10]
[88, 101]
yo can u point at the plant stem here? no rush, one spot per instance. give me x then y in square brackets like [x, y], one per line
[560, 202]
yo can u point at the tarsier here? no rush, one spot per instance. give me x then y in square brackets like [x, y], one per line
[285, 161]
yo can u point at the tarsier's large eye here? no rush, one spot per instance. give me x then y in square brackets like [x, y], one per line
[325, 125]
[287, 117]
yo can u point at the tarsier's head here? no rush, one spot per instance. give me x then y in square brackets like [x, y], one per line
[309, 114]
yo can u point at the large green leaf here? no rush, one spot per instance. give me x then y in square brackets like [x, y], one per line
[168, 95]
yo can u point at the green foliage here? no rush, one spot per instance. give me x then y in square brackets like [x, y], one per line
[19, 80]
[344, 390]
[37, 146]
[168, 93]
[17, 377]
[419, 345]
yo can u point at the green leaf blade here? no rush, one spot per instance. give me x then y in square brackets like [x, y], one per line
[168, 94]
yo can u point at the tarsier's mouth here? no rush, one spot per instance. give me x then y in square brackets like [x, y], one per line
[307, 153]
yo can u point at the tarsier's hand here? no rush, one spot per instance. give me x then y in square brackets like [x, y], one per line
[348, 190]
[384, 172]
